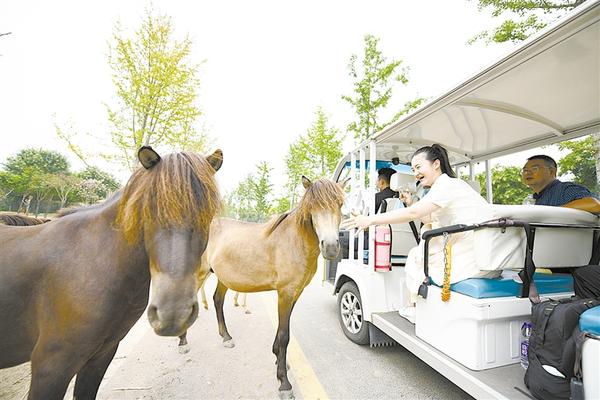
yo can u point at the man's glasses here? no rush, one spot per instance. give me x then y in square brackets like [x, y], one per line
[531, 170]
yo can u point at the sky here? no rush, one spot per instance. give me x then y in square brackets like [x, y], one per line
[267, 66]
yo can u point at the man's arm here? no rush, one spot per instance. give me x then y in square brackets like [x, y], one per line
[589, 204]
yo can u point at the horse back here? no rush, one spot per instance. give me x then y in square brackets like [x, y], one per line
[248, 257]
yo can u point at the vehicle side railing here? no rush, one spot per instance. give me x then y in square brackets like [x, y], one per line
[528, 289]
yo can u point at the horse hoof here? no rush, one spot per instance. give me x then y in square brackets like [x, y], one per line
[286, 394]
[247, 312]
[184, 349]
[229, 344]
[205, 305]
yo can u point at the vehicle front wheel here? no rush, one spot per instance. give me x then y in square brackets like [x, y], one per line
[350, 313]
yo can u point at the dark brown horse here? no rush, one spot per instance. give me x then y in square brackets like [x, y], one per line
[278, 255]
[71, 289]
[21, 220]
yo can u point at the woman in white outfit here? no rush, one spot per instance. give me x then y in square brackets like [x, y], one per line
[449, 201]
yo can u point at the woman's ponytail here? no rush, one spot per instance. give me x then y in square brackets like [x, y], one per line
[437, 152]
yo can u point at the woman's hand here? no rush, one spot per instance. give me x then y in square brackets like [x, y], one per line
[356, 221]
[406, 197]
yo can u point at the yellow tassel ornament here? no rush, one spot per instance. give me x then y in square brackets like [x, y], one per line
[447, 268]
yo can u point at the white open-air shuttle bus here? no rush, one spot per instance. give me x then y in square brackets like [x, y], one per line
[545, 91]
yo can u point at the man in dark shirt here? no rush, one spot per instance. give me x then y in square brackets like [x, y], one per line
[539, 173]
[383, 184]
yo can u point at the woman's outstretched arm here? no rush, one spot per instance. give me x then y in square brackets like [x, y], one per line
[416, 211]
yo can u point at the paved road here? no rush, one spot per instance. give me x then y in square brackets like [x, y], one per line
[323, 363]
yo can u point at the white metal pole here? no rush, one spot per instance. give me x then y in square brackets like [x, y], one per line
[362, 167]
[353, 194]
[372, 180]
[488, 182]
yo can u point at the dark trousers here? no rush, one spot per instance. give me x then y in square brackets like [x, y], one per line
[586, 281]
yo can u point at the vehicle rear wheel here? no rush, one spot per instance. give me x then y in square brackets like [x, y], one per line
[350, 313]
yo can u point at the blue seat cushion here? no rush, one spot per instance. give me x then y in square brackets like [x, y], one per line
[481, 288]
[589, 321]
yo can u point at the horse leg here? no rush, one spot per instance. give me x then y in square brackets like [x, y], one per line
[183, 346]
[90, 376]
[219, 300]
[285, 306]
[244, 296]
[52, 368]
[203, 294]
[235, 299]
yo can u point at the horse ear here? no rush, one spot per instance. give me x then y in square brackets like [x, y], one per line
[306, 182]
[343, 184]
[148, 157]
[216, 159]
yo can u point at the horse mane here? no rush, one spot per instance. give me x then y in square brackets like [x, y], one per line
[276, 222]
[321, 194]
[21, 220]
[63, 212]
[179, 191]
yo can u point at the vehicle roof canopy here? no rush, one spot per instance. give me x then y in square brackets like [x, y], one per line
[545, 91]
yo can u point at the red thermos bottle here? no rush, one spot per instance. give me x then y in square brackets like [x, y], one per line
[383, 248]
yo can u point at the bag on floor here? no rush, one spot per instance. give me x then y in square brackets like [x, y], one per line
[552, 347]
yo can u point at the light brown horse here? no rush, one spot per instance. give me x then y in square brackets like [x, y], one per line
[72, 288]
[278, 255]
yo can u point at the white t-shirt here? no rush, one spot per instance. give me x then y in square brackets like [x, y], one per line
[459, 204]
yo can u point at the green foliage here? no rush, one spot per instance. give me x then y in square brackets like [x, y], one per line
[507, 185]
[7, 184]
[156, 87]
[373, 86]
[581, 161]
[261, 190]
[107, 182]
[250, 200]
[65, 187]
[44, 179]
[528, 12]
[314, 154]
[282, 205]
[37, 160]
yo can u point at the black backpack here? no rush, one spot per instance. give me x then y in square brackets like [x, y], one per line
[552, 343]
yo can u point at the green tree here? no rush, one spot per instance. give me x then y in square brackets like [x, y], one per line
[281, 205]
[581, 161]
[30, 169]
[374, 82]
[261, 190]
[156, 86]
[44, 161]
[314, 154]
[40, 189]
[65, 186]
[7, 184]
[527, 17]
[108, 183]
[507, 185]
[250, 201]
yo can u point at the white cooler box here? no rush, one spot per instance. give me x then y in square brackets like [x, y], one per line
[482, 332]
[589, 323]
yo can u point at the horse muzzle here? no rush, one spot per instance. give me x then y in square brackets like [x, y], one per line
[330, 249]
[172, 322]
